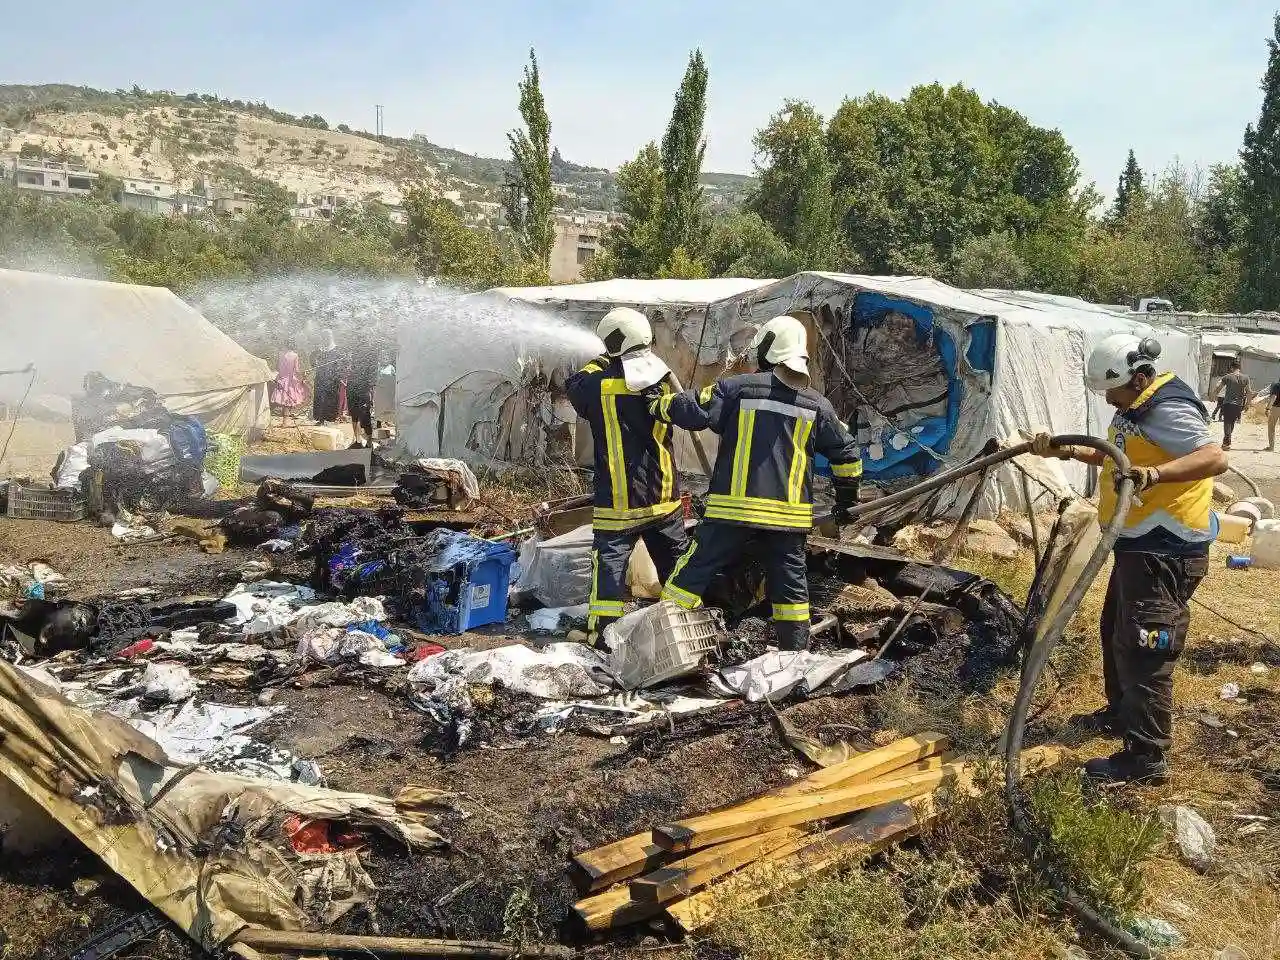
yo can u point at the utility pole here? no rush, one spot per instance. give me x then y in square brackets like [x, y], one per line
[378, 121]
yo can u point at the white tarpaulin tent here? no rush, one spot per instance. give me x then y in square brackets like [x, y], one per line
[927, 373]
[145, 336]
[489, 390]
[1258, 353]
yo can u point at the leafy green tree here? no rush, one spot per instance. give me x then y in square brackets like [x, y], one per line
[681, 266]
[1260, 193]
[528, 200]
[741, 244]
[926, 174]
[1131, 190]
[990, 261]
[633, 247]
[442, 246]
[683, 206]
[782, 149]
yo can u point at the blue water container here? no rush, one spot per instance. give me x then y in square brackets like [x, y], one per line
[467, 583]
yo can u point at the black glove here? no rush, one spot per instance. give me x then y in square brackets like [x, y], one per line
[846, 500]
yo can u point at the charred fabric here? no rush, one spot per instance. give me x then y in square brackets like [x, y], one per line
[385, 600]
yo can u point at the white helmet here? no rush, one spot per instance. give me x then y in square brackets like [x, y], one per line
[786, 346]
[1117, 358]
[623, 329]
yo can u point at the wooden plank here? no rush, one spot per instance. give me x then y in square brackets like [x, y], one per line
[617, 861]
[752, 819]
[865, 834]
[613, 908]
[684, 876]
[631, 856]
[304, 941]
[870, 832]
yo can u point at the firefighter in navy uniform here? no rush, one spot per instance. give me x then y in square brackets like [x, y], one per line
[770, 424]
[635, 477]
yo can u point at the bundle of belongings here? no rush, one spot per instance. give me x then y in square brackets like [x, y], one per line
[132, 453]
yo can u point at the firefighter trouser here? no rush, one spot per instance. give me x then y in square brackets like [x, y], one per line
[665, 539]
[1144, 628]
[717, 545]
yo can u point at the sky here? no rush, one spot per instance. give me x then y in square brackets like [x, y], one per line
[1174, 79]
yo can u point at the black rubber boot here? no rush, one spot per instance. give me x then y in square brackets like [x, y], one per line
[792, 634]
[1101, 722]
[1133, 764]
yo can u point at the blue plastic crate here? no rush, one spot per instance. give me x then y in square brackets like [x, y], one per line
[467, 583]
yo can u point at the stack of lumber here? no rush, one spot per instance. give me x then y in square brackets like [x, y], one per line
[875, 799]
[845, 812]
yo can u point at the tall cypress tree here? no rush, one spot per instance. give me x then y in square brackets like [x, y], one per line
[1260, 192]
[528, 199]
[1130, 191]
[683, 215]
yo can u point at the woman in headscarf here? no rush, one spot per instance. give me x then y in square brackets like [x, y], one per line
[288, 391]
[329, 368]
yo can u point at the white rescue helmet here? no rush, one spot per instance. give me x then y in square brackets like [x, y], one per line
[785, 344]
[623, 329]
[1117, 358]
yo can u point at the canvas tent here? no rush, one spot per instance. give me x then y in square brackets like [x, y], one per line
[926, 373]
[146, 336]
[1258, 353]
[491, 389]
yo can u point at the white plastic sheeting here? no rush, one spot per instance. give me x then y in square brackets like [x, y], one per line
[1258, 353]
[145, 336]
[477, 390]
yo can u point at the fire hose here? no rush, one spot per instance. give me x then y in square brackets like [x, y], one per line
[1037, 658]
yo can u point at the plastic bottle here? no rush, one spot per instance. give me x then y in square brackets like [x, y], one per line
[1237, 562]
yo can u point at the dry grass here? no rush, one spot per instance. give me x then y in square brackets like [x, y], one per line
[968, 891]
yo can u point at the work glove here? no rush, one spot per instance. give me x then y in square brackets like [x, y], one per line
[846, 499]
[1143, 478]
[1042, 446]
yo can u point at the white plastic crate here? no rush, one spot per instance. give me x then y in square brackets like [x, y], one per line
[661, 642]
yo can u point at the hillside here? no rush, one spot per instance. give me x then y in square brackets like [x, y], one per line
[165, 136]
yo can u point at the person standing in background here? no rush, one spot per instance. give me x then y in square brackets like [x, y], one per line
[288, 391]
[329, 367]
[1272, 395]
[361, 380]
[1233, 389]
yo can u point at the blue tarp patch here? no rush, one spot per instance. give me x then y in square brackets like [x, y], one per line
[870, 310]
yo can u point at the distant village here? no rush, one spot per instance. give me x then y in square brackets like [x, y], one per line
[579, 233]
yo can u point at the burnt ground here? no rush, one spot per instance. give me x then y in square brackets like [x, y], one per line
[524, 802]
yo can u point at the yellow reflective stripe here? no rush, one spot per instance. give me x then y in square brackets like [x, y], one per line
[676, 594]
[664, 405]
[665, 466]
[635, 513]
[742, 453]
[799, 459]
[610, 390]
[791, 611]
[592, 368]
[847, 470]
[706, 393]
[592, 600]
[760, 519]
[763, 504]
[680, 597]
[607, 607]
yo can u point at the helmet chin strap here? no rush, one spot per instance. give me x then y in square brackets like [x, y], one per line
[762, 352]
